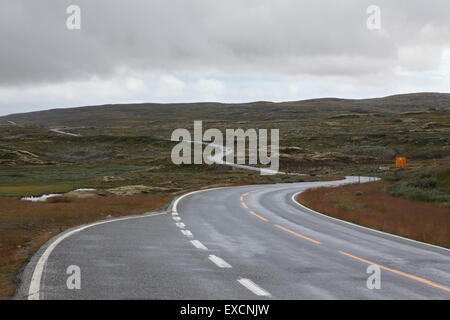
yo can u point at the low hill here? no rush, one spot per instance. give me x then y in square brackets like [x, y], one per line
[134, 114]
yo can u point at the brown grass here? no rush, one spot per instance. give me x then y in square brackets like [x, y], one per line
[25, 226]
[368, 205]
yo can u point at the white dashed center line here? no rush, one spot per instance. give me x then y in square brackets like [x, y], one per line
[219, 261]
[176, 218]
[187, 233]
[198, 245]
[250, 285]
[180, 225]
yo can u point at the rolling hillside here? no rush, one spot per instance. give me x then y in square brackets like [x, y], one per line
[129, 114]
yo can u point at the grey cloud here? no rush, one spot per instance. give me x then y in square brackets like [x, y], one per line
[291, 37]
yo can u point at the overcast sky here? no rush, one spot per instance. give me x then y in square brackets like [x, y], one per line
[211, 50]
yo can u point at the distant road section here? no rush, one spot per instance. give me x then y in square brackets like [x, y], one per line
[65, 133]
[250, 242]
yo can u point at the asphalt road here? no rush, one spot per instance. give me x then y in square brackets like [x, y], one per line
[251, 242]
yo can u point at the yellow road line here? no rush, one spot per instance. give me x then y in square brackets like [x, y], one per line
[398, 272]
[297, 234]
[246, 207]
[257, 215]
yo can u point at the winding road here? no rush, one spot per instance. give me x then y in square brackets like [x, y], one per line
[250, 242]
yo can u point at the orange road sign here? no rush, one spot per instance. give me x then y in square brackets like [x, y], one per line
[400, 162]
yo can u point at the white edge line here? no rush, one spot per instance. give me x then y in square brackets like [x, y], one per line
[359, 226]
[199, 245]
[250, 285]
[177, 200]
[35, 283]
[219, 261]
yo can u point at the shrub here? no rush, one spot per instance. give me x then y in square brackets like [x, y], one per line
[394, 176]
[426, 185]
